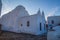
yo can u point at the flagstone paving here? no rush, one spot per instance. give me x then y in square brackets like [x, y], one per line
[20, 36]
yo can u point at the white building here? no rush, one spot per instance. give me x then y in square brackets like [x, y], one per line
[54, 35]
[53, 21]
[19, 21]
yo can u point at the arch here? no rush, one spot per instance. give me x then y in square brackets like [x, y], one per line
[28, 23]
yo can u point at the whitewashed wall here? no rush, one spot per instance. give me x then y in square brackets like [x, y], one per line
[15, 25]
[56, 20]
[8, 20]
[54, 35]
[13, 20]
[34, 27]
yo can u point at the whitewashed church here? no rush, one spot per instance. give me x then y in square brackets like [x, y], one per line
[19, 21]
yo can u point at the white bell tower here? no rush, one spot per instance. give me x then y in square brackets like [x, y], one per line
[39, 12]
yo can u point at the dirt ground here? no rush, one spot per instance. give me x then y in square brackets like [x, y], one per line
[20, 36]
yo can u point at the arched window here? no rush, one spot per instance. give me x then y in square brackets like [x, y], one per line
[0, 26]
[21, 24]
[52, 22]
[44, 26]
[28, 23]
[40, 27]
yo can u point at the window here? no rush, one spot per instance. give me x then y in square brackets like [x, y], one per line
[21, 24]
[59, 24]
[0, 25]
[52, 22]
[28, 23]
[47, 26]
[40, 26]
[44, 26]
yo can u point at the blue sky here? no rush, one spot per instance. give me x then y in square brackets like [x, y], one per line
[50, 7]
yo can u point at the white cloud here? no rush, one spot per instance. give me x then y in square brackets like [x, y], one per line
[52, 12]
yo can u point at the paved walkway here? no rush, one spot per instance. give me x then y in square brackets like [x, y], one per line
[20, 36]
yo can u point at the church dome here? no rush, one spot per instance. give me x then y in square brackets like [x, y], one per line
[20, 7]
